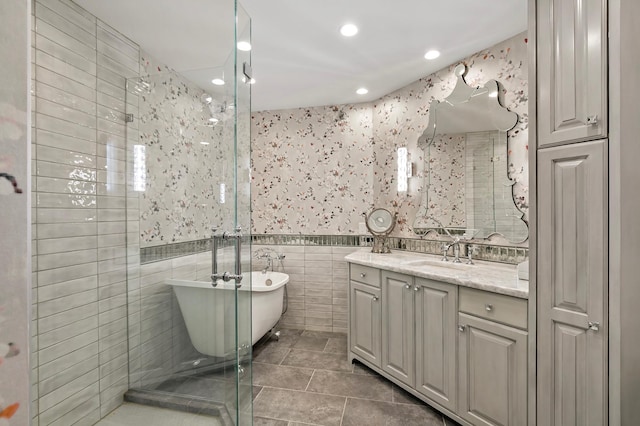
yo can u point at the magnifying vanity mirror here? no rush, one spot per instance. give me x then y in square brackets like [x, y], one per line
[380, 222]
[468, 192]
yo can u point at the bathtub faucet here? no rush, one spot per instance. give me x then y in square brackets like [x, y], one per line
[269, 255]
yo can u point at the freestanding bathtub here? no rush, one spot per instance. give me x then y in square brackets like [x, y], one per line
[210, 315]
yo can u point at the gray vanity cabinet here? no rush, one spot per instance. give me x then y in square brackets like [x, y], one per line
[364, 315]
[436, 312]
[572, 71]
[572, 285]
[398, 329]
[492, 372]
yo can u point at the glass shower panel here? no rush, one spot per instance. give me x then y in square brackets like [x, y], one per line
[243, 83]
[188, 173]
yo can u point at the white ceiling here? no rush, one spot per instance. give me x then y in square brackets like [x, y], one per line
[299, 58]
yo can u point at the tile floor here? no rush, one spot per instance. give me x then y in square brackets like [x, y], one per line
[304, 378]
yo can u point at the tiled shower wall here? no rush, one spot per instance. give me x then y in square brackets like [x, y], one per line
[15, 268]
[79, 266]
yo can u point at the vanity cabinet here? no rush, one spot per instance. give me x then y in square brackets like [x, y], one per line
[398, 329]
[461, 349]
[364, 314]
[572, 284]
[418, 335]
[492, 358]
[436, 311]
[572, 71]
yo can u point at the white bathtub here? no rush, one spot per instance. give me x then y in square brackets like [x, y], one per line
[209, 312]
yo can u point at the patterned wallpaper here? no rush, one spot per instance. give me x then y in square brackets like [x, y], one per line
[184, 157]
[315, 170]
[400, 118]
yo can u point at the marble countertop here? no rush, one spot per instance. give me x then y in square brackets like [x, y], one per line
[488, 276]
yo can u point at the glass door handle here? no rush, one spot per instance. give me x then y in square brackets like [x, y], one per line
[226, 276]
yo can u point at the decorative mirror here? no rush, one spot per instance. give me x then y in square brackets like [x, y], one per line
[468, 192]
[380, 222]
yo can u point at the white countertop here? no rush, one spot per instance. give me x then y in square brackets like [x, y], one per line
[488, 276]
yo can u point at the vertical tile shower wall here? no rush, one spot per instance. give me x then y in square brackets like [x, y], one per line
[80, 359]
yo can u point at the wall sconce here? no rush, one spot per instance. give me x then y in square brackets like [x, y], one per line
[139, 168]
[403, 181]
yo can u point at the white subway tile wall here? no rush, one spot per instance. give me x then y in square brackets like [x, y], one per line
[79, 355]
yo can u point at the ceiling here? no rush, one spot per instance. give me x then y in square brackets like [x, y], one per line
[298, 56]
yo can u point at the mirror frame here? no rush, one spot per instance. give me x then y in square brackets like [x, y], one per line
[494, 117]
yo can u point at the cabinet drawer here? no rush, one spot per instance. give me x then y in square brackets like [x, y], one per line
[495, 307]
[365, 274]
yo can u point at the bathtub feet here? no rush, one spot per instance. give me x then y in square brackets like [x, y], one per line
[277, 335]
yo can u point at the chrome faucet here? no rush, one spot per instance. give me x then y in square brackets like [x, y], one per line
[269, 265]
[456, 249]
[269, 255]
[455, 243]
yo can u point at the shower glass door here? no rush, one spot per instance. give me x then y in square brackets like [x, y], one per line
[188, 180]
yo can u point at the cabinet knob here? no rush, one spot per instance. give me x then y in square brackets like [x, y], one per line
[362, 274]
[595, 326]
[407, 286]
[592, 120]
[416, 288]
[375, 298]
[488, 307]
[462, 327]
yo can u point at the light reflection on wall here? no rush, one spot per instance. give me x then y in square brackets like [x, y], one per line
[139, 168]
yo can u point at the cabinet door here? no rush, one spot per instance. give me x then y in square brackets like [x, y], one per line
[572, 285]
[493, 372]
[398, 339]
[364, 322]
[436, 334]
[572, 71]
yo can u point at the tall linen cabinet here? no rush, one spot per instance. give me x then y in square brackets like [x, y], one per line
[572, 209]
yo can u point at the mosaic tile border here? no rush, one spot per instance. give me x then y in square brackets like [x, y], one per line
[488, 252]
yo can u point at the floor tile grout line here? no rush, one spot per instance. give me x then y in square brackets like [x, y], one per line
[257, 395]
[309, 382]
[344, 409]
[343, 396]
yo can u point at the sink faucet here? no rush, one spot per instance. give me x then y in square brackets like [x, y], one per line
[455, 243]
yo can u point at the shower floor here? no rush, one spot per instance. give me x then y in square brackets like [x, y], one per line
[304, 377]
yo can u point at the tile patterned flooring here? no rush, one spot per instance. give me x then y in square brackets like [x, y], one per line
[304, 378]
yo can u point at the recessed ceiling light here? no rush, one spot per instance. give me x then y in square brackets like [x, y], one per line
[204, 143]
[245, 46]
[348, 30]
[213, 120]
[362, 91]
[218, 81]
[432, 54]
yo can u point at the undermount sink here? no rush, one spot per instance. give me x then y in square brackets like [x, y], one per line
[437, 264]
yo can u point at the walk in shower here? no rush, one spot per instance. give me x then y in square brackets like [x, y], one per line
[140, 146]
[188, 147]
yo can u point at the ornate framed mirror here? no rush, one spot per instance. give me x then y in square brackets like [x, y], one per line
[468, 191]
